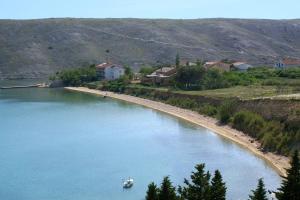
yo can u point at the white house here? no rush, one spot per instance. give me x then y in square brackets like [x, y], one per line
[109, 71]
[287, 62]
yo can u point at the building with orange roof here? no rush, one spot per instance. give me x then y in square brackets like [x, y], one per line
[109, 71]
[287, 62]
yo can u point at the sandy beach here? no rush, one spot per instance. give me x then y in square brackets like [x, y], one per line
[279, 163]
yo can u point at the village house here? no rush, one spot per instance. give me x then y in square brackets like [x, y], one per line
[187, 63]
[241, 66]
[161, 76]
[109, 71]
[217, 65]
[287, 62]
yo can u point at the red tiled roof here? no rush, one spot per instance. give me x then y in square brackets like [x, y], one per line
[105, 65]
[291, 61]
[218, 65]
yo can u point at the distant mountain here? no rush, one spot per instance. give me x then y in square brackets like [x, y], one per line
[37, 48]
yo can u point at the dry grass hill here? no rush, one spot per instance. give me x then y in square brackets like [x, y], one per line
[37, 48]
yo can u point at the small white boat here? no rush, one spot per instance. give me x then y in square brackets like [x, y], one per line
[128, 183]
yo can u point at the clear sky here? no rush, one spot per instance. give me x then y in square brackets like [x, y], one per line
[179, 9]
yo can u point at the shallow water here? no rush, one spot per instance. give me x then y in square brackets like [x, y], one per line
[56, 144]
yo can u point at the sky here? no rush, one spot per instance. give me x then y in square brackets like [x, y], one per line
[174, 9]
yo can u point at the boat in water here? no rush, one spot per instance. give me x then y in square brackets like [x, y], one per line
[128, 183]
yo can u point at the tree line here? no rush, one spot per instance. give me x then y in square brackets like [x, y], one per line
[202, 187]
[198, 78]
[76, 77]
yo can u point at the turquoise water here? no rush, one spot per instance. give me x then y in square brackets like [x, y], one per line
[60, 145]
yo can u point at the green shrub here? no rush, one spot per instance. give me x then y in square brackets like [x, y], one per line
[208, 110]
[213, 79]
[118, 85]
[77, 77]
[289, 73]
[271, 82]
[226, 111]
[239, 78]
[248, 122]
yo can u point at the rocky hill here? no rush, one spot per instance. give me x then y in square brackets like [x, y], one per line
[37, 48]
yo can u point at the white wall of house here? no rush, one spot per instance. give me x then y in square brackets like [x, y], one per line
[114, 72]
[242, 66]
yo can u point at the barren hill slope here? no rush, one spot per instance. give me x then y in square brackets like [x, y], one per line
[35, 48]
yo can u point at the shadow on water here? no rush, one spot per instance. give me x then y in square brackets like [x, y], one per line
[45, 95]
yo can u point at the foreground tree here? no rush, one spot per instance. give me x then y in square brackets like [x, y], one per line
[260, 192]
[290, 187]
[218, 188]
[128, 72]
[199, 188]
[152, 193]
[167, 190]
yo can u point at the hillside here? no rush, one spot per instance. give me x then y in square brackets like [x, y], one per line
[37, 48]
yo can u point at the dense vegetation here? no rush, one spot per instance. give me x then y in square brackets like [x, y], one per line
[116, 85]
[201, 186]
[87, 76]
[76, 77]
[197, 78]
[273, 135]
[281, 135]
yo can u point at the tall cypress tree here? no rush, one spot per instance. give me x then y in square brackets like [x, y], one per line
[199, 188]
[218, 188]
[290, 187]
[167, 191]
[177, 60]
[260, 192]
[152, 193]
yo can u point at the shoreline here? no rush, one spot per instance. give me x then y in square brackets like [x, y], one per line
[278, 162]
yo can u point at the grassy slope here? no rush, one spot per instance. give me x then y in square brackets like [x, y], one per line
[242, 92]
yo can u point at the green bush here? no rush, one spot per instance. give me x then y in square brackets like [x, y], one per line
[248, 122]
[226, 111]
[77, 77]
[189, 77]
[118, 85]
[214, 79]
[208, 110]
[239, 78]
[289, 73]
[271, 82]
